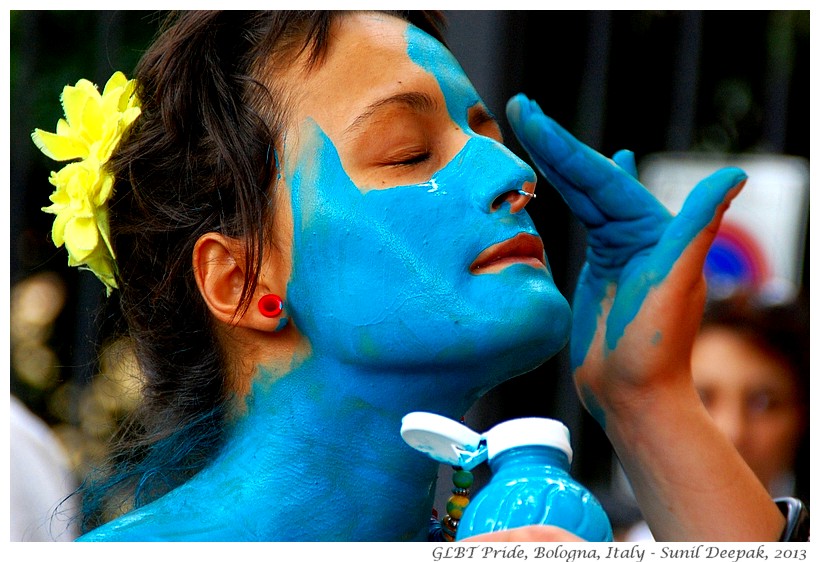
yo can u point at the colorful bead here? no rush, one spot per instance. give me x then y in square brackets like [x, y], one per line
[463, 479]
[446, 530]
[457, 505]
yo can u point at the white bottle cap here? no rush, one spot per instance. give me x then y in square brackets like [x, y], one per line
[448, 441]
[528, 431]
[443, 439]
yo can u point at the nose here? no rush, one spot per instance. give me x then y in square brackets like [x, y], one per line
[731, 422]
[502, 178]
[517, 199]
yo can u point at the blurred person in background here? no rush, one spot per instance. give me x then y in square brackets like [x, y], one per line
[751, 368]
[41, 471]
[40, 479]
[750, 364]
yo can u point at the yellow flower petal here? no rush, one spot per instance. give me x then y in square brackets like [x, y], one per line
[75, 99]
[108, 140]
[54, 180]
[77, 180]
[103, 267]
[93, 126]
[106, 186]
[128, 116]
[59, 147]
[129, 96]
[58, 228]
[103, 226]
[117, 80]
[81, 237]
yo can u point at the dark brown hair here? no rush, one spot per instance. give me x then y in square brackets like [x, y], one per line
[198, 159]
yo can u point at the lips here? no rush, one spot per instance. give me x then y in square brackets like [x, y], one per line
[522, 248]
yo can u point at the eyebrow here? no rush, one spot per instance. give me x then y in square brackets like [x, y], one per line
[417, 101]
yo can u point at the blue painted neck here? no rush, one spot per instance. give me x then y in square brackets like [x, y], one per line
[311, 459]
[321, 442]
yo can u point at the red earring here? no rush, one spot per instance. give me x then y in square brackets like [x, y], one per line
[270, 306]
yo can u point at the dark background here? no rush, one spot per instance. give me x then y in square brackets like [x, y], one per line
[650, 81]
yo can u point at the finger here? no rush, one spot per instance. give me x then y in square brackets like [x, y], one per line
[595, 187]
[701, 214]
[626, 160]
[685, 242]
[707, 211]
[591, 292]
[530, 533]
[519, 110]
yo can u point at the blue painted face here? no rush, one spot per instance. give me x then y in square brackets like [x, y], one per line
[401, 200]
[390, 216]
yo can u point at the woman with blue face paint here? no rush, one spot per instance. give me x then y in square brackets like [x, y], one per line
[318, 230]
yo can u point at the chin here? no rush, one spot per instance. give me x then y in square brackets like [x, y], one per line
[519, 346]
[521, 311]
[517, 333]
[491, 327]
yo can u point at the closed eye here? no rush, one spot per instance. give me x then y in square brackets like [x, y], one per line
[406, 154]
[413, 160]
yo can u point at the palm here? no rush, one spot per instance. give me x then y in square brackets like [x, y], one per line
[633, 319]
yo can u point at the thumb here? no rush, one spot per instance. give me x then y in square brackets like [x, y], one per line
[626, 160]
[693, 230]
[684, 246]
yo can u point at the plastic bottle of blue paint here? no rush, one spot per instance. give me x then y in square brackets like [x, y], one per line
[530, 485]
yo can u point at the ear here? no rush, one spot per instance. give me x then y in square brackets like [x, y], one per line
[219, 270]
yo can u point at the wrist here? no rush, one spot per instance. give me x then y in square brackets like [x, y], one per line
[625, 408]
[689, 479]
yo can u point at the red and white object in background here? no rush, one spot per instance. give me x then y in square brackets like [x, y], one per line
[762, 238]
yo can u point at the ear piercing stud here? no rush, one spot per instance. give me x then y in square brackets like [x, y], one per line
[270, 306]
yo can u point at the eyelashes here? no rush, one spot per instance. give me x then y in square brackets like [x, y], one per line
[412, 160]
[409, 144]
[405, 155]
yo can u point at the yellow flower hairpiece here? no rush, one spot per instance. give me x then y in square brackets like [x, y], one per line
[92, 128]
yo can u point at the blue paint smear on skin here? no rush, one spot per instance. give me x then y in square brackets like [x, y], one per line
[396, 298]
[381, 289]
[633, 241]
[421, 306]
[459, 93]
[642, 275]
[411, 247]
[593, 406]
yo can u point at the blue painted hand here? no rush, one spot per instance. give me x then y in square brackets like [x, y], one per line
[638, 300]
